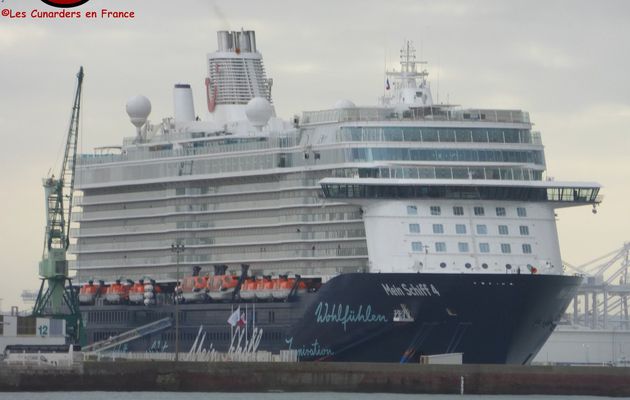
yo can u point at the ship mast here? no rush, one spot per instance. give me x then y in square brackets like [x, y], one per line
[409, 86]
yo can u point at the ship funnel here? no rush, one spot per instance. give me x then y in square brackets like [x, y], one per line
[240, 42]
[225, 40]
[252, 40]
[183, 103]
[138, 108]
[243, 41]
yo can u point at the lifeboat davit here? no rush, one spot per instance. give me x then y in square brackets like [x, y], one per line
[248, 288]
[222, 287]
[88, 293]
[117, 293]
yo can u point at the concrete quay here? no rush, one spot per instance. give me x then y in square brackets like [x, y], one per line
[313, 377]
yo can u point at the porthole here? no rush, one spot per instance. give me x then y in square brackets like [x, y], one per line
[468, 265]
[484, 266]
[508, 266]
[442, 265]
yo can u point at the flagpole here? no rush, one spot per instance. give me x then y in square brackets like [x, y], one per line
[246, 321]
[232, 326]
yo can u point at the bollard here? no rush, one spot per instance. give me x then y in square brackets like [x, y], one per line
[461, 385]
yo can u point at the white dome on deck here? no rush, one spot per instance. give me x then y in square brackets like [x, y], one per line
[344, 103]
[258, 111]
[138, 108]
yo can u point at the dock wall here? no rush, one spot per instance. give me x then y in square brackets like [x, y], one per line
[311, 377]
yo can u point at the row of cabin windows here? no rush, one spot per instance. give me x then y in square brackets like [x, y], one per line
[459, 211]
[460, 229]
[464, 247]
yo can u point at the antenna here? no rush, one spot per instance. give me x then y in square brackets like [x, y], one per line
[438, 79]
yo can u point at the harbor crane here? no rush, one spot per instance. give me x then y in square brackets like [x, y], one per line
[59, 299]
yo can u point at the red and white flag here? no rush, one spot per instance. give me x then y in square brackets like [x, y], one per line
[242, 320]
[235, 317]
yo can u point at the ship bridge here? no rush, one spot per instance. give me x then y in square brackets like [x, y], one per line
[563, 194]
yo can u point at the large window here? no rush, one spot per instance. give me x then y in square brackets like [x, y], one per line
[460, 229]
[466, 155]
[463, 247]
[416, 246]
[440, 247]
[500, 211]
[482, 230]
[438, 228]
[428, 134]
[524, 230]
[484, 247]
[503, 230]
[479, 211]
[521, 212]
[412, 210]
[506, 248]
[458, 210]
[527, 248]
[414, 228]
[436, 210]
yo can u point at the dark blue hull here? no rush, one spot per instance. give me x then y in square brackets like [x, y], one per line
[399, 317]
[490, 318]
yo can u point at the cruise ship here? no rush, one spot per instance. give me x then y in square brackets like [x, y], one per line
[385, 232]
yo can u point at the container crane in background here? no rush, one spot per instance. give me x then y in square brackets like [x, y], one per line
[59, 299]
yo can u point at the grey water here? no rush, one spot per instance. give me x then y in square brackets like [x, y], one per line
[265, 396]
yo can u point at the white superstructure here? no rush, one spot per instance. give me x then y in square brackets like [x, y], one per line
[405, 186]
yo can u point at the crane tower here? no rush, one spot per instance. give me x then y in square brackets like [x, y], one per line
[59, 298]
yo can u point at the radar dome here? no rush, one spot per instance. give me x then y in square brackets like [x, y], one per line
[138, 109]
[258, 111]
[344, 103]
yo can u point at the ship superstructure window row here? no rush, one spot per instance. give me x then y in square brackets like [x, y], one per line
[421, 191]
[442, 135]
[489, 173]
[229, 238]
[453, 155]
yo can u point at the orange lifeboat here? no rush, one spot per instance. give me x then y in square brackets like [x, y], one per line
[222, 287]
[194, 288]
[282, 287]
[136, 292]
[264, 288]
[88, 293]
[248, 288]
[117, 293]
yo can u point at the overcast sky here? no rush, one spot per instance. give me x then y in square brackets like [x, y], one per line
[566, 62]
